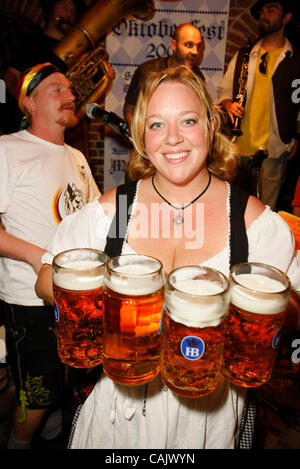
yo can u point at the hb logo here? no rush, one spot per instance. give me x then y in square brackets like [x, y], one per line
[276, 338]
[192, 347]
[56, 311]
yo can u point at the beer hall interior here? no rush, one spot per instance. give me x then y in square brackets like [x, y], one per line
[278, 401]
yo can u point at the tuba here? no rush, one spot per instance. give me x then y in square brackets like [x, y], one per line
[87, 63]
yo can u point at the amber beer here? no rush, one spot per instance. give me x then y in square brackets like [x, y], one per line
[196, 304]
[77, 285]
[133, 301]
[259, 298]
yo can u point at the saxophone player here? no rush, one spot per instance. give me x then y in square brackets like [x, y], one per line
[268, 116]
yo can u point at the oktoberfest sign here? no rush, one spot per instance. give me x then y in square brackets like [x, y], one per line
[134, 41]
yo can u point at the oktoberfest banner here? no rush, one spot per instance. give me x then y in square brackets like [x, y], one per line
[134, 41]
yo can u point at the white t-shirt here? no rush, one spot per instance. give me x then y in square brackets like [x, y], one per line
[40, 184]
[151, 416]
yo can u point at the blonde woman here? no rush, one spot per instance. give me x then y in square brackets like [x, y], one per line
[184, 212]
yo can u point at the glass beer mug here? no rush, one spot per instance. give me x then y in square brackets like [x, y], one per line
[196, 304]
[259, 297]
[133, 301]
[77, 276]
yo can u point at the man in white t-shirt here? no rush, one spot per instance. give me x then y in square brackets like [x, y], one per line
[42, 180]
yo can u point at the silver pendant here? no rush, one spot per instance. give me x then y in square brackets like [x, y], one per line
[178, 220]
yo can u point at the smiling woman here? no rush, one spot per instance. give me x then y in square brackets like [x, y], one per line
[199, 114]
[180, 161]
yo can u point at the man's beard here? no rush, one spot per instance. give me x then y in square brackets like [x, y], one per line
[68, 121]
[267, 28]
[183, 59]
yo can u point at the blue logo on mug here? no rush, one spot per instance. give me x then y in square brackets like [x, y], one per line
[56, 311]
[192, 347]
[276, 338]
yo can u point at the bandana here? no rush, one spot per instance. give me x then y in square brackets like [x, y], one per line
[31, 78]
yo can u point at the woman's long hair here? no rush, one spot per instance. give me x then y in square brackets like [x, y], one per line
[221, 159]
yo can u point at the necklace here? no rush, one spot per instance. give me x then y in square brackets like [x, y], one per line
[178, 220]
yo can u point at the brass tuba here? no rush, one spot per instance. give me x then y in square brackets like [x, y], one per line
[89, 70]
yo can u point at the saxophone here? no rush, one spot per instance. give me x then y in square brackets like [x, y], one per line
[87, 63]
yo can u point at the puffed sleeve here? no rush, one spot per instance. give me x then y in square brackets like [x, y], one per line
[86, 228]
[272, 242]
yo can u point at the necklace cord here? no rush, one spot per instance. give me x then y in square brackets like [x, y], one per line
[190, 203]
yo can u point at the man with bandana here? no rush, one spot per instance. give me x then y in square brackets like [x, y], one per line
[269, 113]
[37, 169]
[187, 49]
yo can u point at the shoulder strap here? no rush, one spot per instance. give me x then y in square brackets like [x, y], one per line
[124, 198]
[238, 234]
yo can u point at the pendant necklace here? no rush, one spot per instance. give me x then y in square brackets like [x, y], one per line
[178, 220]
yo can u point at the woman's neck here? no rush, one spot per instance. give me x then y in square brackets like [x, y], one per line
[184, 193]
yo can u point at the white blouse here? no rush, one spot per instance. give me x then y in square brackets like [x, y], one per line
[151, 416]
[269, 237]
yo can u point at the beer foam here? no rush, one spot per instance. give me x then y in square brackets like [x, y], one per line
[266, 297]
[198, 287]
[133, 285]
[79, 265]
[204, 308]
[87, 277]
[134, 269]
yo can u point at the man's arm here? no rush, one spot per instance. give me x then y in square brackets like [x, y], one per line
[233, 109]
[20, 250]
[43, 286]
[295, 142]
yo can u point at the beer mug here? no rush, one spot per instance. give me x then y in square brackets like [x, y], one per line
[133, 301]
[196, 304]
[259, 297]
[78, 300]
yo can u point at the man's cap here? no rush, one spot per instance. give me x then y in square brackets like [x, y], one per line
[288, 6]
[31, 78]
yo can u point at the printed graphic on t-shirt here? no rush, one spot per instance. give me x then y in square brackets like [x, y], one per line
[66, 201]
